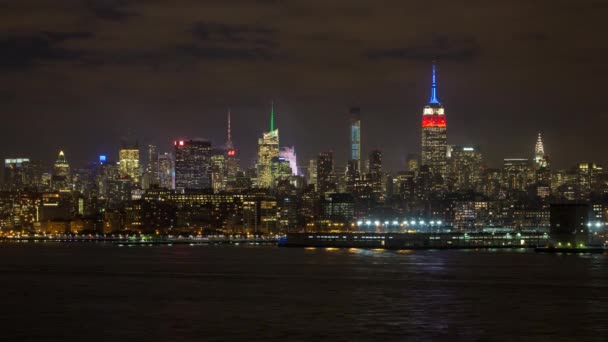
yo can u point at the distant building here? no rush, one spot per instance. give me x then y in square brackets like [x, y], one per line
[166, 171]
[464, 168]
[192, 164]
[540, 159]
[374, 174]
[516, 174]
[434, 134]
[218, 170]
[152, 168]
[569, 225]
[413, 162]
[355, 139]
[232, 154]
[325, 172]
[289, 154]
[268, 148]
[61, 179]
[128, 162]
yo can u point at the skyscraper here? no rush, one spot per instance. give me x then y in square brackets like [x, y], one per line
[152, 169]
[325, 172]
[464, 168]
[374, 173]
[355, 139]
[434, 133]
[166, 171]
[268, 148]
[232, 155]
[218, 170]
[61, 178]
[540, 159]
[192, 164]
[128, 162]
[289, 154]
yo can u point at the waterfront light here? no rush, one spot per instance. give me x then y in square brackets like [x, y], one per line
[359, 223]
[395, 223]
[368, 222]
[377, 223]
[413, 223]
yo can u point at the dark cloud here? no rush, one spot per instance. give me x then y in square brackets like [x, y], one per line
[441, 48]
[229, 33]
[26, 50]
[169, 68]
[114, 10]
[220, 53]
[531, 36]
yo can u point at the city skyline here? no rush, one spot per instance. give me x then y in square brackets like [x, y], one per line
[161, 73]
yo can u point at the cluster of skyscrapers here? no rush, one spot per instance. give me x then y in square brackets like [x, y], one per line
[198, 187]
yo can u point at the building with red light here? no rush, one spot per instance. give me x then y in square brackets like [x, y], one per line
[434, 134]
[192, 164]
[232, 155]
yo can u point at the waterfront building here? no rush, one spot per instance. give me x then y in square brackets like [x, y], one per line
[569, 225]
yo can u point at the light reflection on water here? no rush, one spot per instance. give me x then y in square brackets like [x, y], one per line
[248, 292]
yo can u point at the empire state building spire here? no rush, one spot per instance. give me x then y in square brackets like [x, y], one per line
[434, 99]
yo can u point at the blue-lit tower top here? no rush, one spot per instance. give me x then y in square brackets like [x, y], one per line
[434, 99]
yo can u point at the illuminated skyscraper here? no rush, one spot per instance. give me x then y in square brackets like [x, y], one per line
[166, 171]
[61, 167]
[540, 159]
[434, 133]
[355, 139]
[61, 179]
[232, 155]
[268, 148]
[464, 168]
[192, 164]
[128, 162]
[218, 170]
[289, 154]
[325, 172]
[152, 169]
[374, 173]
[412, 162]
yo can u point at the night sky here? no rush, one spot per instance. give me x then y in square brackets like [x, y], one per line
[81, 75]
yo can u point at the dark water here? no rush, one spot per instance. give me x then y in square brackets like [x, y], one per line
[96, 292]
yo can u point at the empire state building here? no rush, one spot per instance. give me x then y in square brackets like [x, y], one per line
[434, 133]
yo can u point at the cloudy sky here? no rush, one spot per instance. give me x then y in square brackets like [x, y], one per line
[82, 75]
